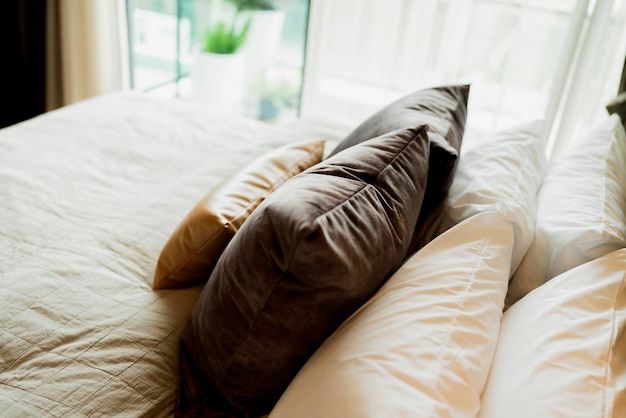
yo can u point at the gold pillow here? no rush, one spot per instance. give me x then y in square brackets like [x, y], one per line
[197, 243]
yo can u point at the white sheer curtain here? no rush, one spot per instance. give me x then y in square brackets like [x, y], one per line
[86, 51]
[526, 59]
[594, 76]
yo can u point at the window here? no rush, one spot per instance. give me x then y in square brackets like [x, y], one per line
[166, 37]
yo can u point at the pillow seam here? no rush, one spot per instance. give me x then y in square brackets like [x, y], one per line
[467, 288]
[423, 128]
[366, 185]
[608, 355]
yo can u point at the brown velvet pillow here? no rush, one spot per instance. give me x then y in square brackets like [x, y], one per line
[194, 247]
[305, 260]
[444, 110]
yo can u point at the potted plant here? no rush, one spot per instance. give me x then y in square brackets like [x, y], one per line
[218, 69]
[276, 96]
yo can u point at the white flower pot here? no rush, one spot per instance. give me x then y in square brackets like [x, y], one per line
[218, 81]
[263, 38]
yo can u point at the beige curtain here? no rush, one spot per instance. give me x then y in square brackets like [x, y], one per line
[86, 50]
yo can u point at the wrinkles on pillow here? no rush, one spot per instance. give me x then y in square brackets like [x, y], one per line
[308, 257]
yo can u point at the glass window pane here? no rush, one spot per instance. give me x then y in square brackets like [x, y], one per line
[153, 28]
[170, 35]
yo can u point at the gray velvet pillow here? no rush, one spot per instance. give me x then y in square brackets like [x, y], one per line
[306, 259]
[444, 110]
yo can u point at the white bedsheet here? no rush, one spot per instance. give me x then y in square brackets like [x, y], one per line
[88, 196]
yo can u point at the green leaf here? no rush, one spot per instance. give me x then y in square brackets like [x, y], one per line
[241, 5]
[225, 38]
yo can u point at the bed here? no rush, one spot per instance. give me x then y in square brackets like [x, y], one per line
[95, 321]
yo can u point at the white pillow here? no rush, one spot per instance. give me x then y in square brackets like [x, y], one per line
[581, 209]
[423, 345]
[562, 348]
[506, 168]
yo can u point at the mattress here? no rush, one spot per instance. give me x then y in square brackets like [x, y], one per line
[88, 196]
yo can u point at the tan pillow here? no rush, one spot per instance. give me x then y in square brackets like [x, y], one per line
[195, 246]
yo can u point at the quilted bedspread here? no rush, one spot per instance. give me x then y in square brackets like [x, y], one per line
[88, 196]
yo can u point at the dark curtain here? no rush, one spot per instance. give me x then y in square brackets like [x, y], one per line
[23, 49]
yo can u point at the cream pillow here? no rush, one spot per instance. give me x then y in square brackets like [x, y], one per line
[506, 168]
[422, 345]
[562, 348]
[194, 247]
[581, 209]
